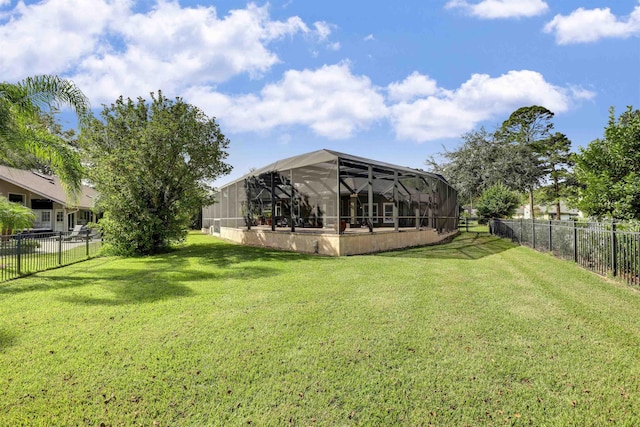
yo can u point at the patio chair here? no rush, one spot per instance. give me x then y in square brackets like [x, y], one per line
[75, 233]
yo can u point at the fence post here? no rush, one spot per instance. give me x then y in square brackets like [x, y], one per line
[614, 255]
[59, 247]
[575, 242]
[521, 226]
[87, 240]
[19, 254]
[533, 233]
[550, 238]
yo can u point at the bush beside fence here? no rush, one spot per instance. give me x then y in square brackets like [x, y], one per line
[604, 248]
[27, 253]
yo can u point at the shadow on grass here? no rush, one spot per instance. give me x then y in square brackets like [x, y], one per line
[134, 291]
[160, 277]
[37, 282]
[467, 246]
[223, 254]
[7, 339]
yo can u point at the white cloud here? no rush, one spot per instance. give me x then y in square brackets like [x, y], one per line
[494, 9]
[450, 113]
[335, 103]
[369, 38]
[589, 25]
[330, 100]
[109, 50]
[414, 86]
[334, 46]
[49, 37]
[580, 93]
[323, 30]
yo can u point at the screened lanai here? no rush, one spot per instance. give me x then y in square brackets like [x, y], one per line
[326, 192]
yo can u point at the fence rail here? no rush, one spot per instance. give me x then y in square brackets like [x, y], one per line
[604, 248]
[27, 253]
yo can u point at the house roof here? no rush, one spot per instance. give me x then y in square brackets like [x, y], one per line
[328, 156]
[47, 186]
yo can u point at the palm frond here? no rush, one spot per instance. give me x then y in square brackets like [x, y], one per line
[54, 92]
[20, 133]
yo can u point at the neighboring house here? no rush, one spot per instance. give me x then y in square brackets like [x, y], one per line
[548, 212]
[46, 197]
[470, 211]
[519, 212]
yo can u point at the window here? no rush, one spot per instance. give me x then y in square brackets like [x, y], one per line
[84, 217]
[45, 216]
[388, 213]
[43, 204]
[16, 198]
[59, 216]
[365, 212]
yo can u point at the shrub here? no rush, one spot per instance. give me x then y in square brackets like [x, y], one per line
[14, 216]
[497, 202]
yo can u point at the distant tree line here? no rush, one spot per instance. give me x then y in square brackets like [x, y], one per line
[525, 156]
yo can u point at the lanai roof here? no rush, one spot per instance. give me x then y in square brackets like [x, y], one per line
[329, 156]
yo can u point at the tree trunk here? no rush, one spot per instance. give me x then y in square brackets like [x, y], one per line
[533, 215]
[557, 191]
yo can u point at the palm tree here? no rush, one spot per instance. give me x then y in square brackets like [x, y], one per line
[22, 133]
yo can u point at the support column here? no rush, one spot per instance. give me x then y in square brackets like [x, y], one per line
[226, 216]
[338, 205]
[396, 222]
[273, 202]
[353, 209]
[292, 205]
[237, 207]
[370, 199]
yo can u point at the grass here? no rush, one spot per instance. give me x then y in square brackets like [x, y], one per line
[474, 332]
[472, 225]
[42, 254]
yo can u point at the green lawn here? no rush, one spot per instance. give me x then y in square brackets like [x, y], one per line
[473, 226]
[474, 332]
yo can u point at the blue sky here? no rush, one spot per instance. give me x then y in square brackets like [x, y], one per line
[392, 81]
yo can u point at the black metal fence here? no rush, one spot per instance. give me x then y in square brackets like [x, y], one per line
[604, 248]
[27, 253]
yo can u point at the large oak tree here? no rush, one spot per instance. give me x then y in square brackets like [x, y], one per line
[525, 128]
[151, 162]
[609, 169]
